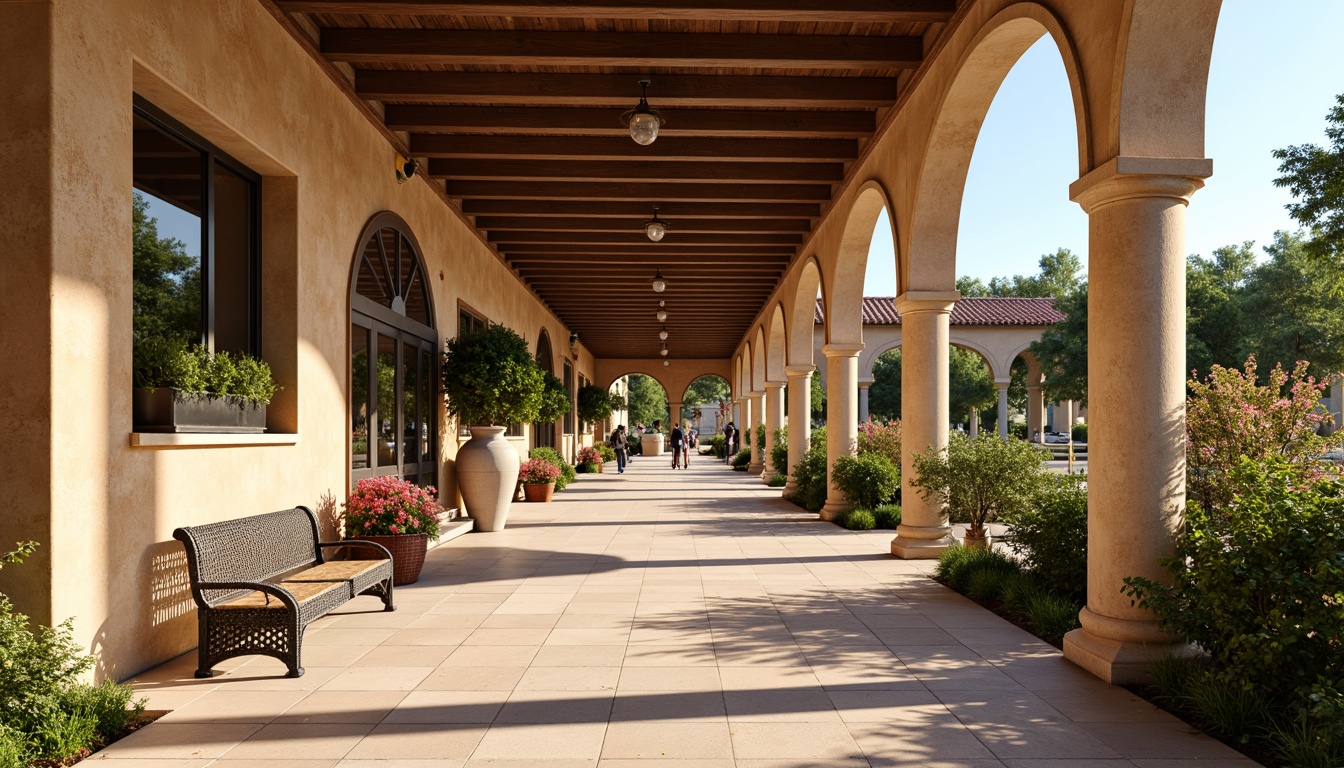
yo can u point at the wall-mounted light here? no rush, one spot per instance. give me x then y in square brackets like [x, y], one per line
[643, 121]
[405, 167]
[655, 228]
[573, 340]
[659, 284]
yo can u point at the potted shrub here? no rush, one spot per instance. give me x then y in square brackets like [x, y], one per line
[596, 404]
[538, 477]
[588, 460]
[181, 388]
[554, 399]
[397, 514]
[979, 480]
[489, 381]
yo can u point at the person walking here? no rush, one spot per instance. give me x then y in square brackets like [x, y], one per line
[617, 441]
[678, 445]
[729, 442]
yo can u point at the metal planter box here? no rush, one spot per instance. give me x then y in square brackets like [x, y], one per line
[168, 410]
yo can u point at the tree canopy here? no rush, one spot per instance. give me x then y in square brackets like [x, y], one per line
[166, 292]
[648, 401]
[1315, 176]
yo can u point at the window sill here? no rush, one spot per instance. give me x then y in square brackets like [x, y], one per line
[207, 440]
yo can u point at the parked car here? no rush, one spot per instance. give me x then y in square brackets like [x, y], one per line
[1057, 437]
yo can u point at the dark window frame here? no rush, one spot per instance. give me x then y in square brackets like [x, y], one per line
[212, 156]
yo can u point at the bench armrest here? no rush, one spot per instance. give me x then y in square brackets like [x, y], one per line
[274, 590]
[357, 543]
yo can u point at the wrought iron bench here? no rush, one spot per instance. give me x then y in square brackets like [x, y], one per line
[259, 581]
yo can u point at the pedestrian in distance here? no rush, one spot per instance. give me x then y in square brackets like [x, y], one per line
[678, 446]
[729, 442]
[617, 441]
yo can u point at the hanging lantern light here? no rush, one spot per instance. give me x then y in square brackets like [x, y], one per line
[662, 333]
[661, 314]
[663, 351]
[655, 228]
[659, 284]
[666, 363]
[643, 121]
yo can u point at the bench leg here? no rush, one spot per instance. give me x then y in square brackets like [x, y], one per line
[388, 605]
[204, 668]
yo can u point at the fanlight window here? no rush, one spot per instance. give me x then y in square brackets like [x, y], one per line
[390, 274]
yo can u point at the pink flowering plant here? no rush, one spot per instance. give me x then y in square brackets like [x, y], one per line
[538, 472]
[882, 438]
[390, 506]
[588, 455]
[1230, 417]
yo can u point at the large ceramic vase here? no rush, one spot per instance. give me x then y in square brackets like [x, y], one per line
[487, 475]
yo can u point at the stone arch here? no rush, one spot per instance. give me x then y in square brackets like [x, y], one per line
[802, 316]
[758, 361]
[1034, 372]
[936, 214]
[639, 369]
[776, 357]
[844, 301]
[1162, 78]
[991, 362]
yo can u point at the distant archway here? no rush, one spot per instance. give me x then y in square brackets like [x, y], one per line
[543, 434]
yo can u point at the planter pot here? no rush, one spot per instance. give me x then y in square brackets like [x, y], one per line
[651, 445]
[588, 468]
[408, 554]
[168, 410]
[977, 542]
[487, 474]
[538, 491]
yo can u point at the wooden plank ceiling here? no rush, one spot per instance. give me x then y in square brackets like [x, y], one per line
[514, 107]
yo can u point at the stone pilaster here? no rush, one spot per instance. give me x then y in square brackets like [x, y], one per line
[842, 416]
[800, 418]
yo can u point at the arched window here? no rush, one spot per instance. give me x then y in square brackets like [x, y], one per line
[393, 357]
[543, 434]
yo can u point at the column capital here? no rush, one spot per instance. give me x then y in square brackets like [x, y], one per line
[865, 383]
[842, 350]
[773, 385]
[755, 393]
[913, 302]
[1129, 178]
[1003, 383]
[799, 371]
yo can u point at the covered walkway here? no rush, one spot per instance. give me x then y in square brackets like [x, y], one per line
[676, 619]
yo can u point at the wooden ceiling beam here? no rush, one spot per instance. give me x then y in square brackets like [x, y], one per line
[635, 209]
[679, 226]
[591, 90]
[641, 190]
[621, 148]
[872, 11]
[575, 253]
[727, 239]
[606, 122]
[637, 171]
[528, 48]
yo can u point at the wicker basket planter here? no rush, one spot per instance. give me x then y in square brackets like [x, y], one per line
[408, 554]
[538, 491]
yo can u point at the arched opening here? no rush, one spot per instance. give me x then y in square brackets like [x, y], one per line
[707, 404]
[646, 403]
[543, 434]
[394, 421]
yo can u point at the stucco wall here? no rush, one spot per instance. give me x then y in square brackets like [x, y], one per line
[105, 516]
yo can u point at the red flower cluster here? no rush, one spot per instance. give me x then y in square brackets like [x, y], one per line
[538, 472]
[388, 505]
[588, 455]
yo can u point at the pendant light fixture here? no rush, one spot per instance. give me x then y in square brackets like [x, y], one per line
[663, 351]
[662, 333]
[643, 121]
[655, 228]
[661, 314]
[659, 284]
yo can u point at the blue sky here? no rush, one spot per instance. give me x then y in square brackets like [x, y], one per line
[1275, 72]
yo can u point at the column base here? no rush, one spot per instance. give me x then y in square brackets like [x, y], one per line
[790, 487]
[921, 549]
[1125, 661]
[832, 509]
[754, 469]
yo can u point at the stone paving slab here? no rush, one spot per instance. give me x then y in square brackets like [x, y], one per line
[667, 619]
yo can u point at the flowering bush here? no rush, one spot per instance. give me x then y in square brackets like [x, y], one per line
[1229, 416]
[388, 505]
[538, 472]
[588, 455]
[882, 438]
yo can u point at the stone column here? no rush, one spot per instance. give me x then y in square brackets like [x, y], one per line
[1035, 414]
[863, 400]
[674, 414]
[842, 412]
[975, 423]
[774, 419]
[743, 422]
[800, 418]
[924, 531]
[1136, 390]
[757, 402]
[1002, 386]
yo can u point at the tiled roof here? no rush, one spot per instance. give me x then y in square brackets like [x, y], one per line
[881, 310]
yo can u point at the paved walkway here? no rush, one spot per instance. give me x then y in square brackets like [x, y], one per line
[666, 619]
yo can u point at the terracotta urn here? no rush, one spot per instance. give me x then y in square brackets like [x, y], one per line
[487, 474]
